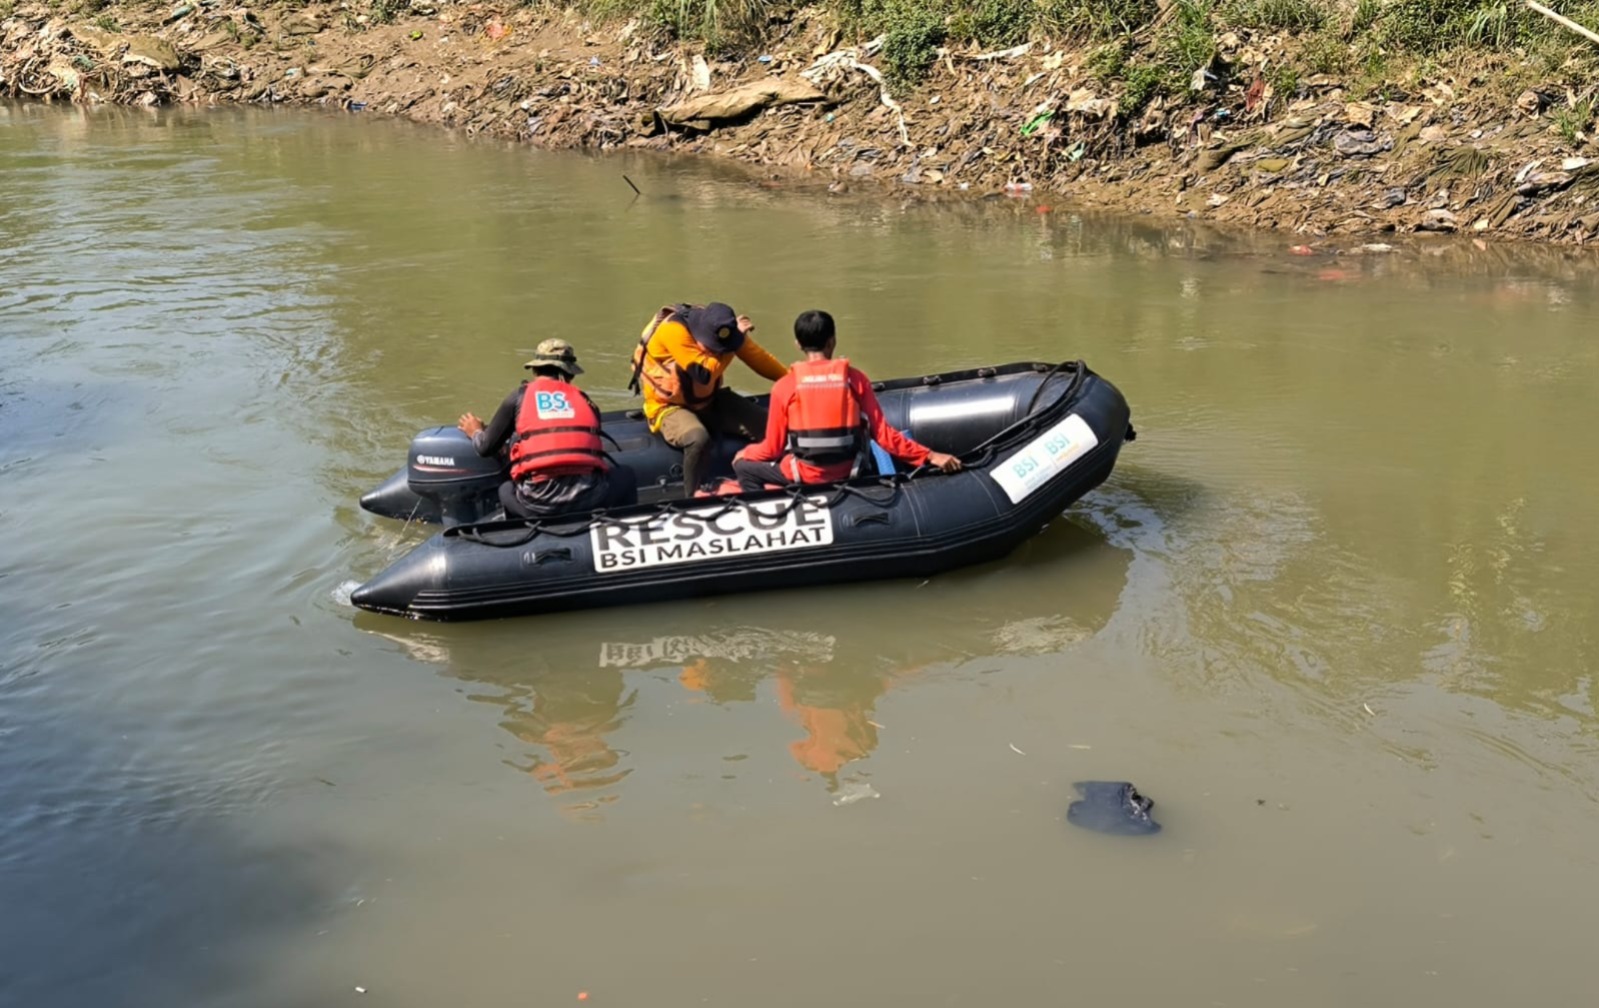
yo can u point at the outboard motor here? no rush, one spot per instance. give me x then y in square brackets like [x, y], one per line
[444, 469]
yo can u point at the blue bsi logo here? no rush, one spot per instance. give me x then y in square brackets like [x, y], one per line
[553, 405]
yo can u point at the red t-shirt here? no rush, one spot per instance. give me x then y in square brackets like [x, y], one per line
[772, 447]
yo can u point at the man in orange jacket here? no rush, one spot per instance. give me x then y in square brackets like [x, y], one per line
[820, 414]
[679, 365]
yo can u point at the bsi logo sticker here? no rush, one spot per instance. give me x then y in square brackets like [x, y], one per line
[1043, 457]
[553, 406]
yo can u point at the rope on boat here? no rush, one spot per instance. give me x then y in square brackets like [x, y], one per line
[983, 454]
[527, 529]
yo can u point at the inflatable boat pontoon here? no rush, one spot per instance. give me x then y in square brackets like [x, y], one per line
[1034, 438]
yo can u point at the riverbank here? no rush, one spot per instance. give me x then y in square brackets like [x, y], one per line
[1487, 138]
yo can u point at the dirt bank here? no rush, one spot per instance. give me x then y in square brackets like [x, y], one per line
[1458, 150]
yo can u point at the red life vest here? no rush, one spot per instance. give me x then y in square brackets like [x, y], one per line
[824, 419]
[557, 432]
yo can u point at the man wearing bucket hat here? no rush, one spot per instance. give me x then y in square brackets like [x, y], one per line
[681, 359]
[558, 464]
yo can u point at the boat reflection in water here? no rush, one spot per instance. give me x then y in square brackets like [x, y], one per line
[571, 684]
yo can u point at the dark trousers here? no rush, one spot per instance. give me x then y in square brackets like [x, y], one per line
[570, 494]
[755, 475]
[726, 413]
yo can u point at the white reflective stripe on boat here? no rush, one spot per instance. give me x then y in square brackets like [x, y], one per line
[960, 409]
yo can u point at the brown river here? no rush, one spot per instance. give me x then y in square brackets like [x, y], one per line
[1334, 611]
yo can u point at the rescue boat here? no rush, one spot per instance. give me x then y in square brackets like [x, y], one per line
[1034, 438]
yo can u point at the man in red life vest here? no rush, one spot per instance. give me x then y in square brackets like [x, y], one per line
[820, 414]
[558, 464]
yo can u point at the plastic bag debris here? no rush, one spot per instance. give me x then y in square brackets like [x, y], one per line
[854, 791]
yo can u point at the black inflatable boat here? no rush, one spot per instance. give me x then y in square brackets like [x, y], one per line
[1034, 437]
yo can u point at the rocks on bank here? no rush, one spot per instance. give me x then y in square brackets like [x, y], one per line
[1439, 155]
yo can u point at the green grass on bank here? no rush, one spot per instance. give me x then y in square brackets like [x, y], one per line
[1138, 49]
[1148, 51]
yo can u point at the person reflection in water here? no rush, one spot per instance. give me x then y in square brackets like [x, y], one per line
[835, 709]
[833, 705]
[570, 719]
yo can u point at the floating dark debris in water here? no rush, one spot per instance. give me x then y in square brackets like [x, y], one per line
[1113, 807]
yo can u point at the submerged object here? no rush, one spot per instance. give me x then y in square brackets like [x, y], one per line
[1113, 807]
[1034, 438]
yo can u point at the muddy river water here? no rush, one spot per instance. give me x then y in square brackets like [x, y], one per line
[1334, 611]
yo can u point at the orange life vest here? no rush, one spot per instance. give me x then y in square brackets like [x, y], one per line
[667, 382]
[557, 431]
[665, 379]
[824, 418]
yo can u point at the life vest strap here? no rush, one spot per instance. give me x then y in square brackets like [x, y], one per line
[676, 311]
[562, 451]
[579, 429]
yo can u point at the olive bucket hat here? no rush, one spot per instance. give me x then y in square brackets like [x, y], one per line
[555, 353]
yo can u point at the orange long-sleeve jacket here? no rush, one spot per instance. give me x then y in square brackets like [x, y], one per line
[673, 346]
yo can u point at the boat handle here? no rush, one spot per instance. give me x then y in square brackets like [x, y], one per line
[871, 518]
[561, 555]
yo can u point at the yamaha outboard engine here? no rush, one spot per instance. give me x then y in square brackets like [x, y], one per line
[445, 470]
